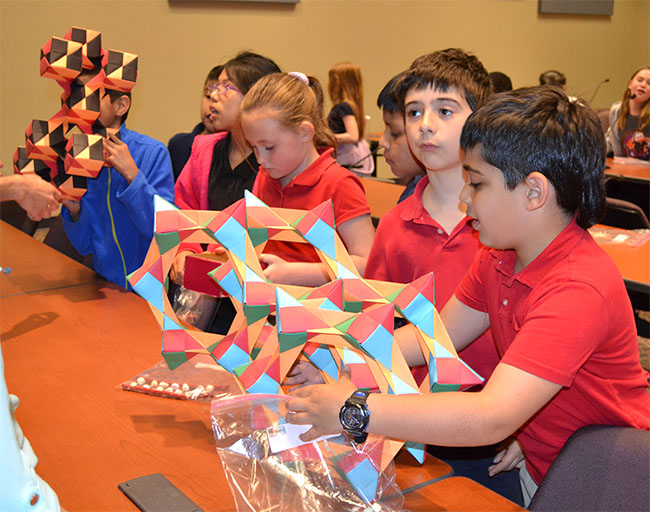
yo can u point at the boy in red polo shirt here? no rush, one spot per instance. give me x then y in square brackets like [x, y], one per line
[440, 90]
[560, 316]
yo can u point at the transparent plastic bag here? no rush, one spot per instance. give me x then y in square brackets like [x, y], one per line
[193, 308]
[200, 378]
[267, 471]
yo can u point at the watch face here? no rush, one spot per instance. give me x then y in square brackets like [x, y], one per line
[353, 417]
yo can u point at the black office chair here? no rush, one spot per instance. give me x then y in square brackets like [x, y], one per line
[624, 214]
[600, 468]
[637, 192]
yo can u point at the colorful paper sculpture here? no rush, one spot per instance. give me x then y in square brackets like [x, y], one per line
[348, 321]
[67, 160]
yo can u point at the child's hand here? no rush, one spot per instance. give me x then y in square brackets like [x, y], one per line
[303, 373]
[319, 406]
[507, 460]
[73, 206]
[276, 269]
[178, 266]
[117, 155]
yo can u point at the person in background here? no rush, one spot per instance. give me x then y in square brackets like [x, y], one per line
[36, 196]
[346, 119]
[393, 141]
[222, 165]
[438, 92]
[114, 219]
[533, 192]
[629, 119]
[282, 121]
[500, 81]
[553, 77]
[180, 145]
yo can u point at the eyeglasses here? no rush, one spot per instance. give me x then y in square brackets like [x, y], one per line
[221, 89]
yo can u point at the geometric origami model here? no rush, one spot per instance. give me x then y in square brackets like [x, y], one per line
[348, 321]
[51, 150]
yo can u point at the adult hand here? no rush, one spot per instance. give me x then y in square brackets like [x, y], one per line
[508, 459]
[117, 155]
[36, 196]
[303, 373]
[276, 269]
[178, 266]
[319, 406]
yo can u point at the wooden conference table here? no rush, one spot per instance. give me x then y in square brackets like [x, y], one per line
[69, 339]
[633, 261]
[629, 171]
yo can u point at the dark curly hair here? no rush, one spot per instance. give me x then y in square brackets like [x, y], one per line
[541, 129]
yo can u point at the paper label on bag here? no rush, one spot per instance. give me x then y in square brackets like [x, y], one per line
[286, 436]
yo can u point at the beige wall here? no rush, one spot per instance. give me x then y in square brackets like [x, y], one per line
[178, 42]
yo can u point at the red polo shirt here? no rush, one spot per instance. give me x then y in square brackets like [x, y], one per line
[566, 318]
[322, 180]
[409, 243]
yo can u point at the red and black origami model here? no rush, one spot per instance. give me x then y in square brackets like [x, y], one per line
[68, 148]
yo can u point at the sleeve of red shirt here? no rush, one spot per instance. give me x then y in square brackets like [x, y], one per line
[471, 289]
[349, 199]
[559, 332]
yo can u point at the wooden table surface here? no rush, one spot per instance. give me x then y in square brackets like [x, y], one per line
[67, 349]
[458, 494]
[632, 261]
[35, 266]
[628, 171]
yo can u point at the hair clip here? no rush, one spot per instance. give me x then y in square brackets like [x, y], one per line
[300, 76]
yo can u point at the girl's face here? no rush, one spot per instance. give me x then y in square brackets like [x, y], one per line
[226, 108]
[640, 85]
[284, 152]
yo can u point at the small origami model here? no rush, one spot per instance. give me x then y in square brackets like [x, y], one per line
[348, 321]
[51, 151]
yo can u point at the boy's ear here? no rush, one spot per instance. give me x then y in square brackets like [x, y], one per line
[536, 188]
[306, 131]
[122, 105]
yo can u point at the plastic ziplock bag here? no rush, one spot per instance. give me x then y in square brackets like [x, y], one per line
[269, 470]
[200, 378]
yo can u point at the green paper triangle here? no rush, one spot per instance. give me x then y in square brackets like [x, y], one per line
[175, 359]
[258, 235]
[344, 326]
[255, 313]
[167, 241]
[291, 340]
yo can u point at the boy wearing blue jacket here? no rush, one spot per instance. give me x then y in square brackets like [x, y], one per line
[115, 217]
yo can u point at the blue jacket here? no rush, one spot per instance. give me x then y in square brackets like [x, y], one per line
[116, 219]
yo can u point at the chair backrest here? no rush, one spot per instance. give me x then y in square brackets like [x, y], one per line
[603, 117]
[624, 214]
[600, 468]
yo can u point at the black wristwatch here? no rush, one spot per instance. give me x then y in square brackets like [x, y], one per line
[354, 416]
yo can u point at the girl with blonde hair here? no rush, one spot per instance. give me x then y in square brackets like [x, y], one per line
[629, 119]
[282, 122]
